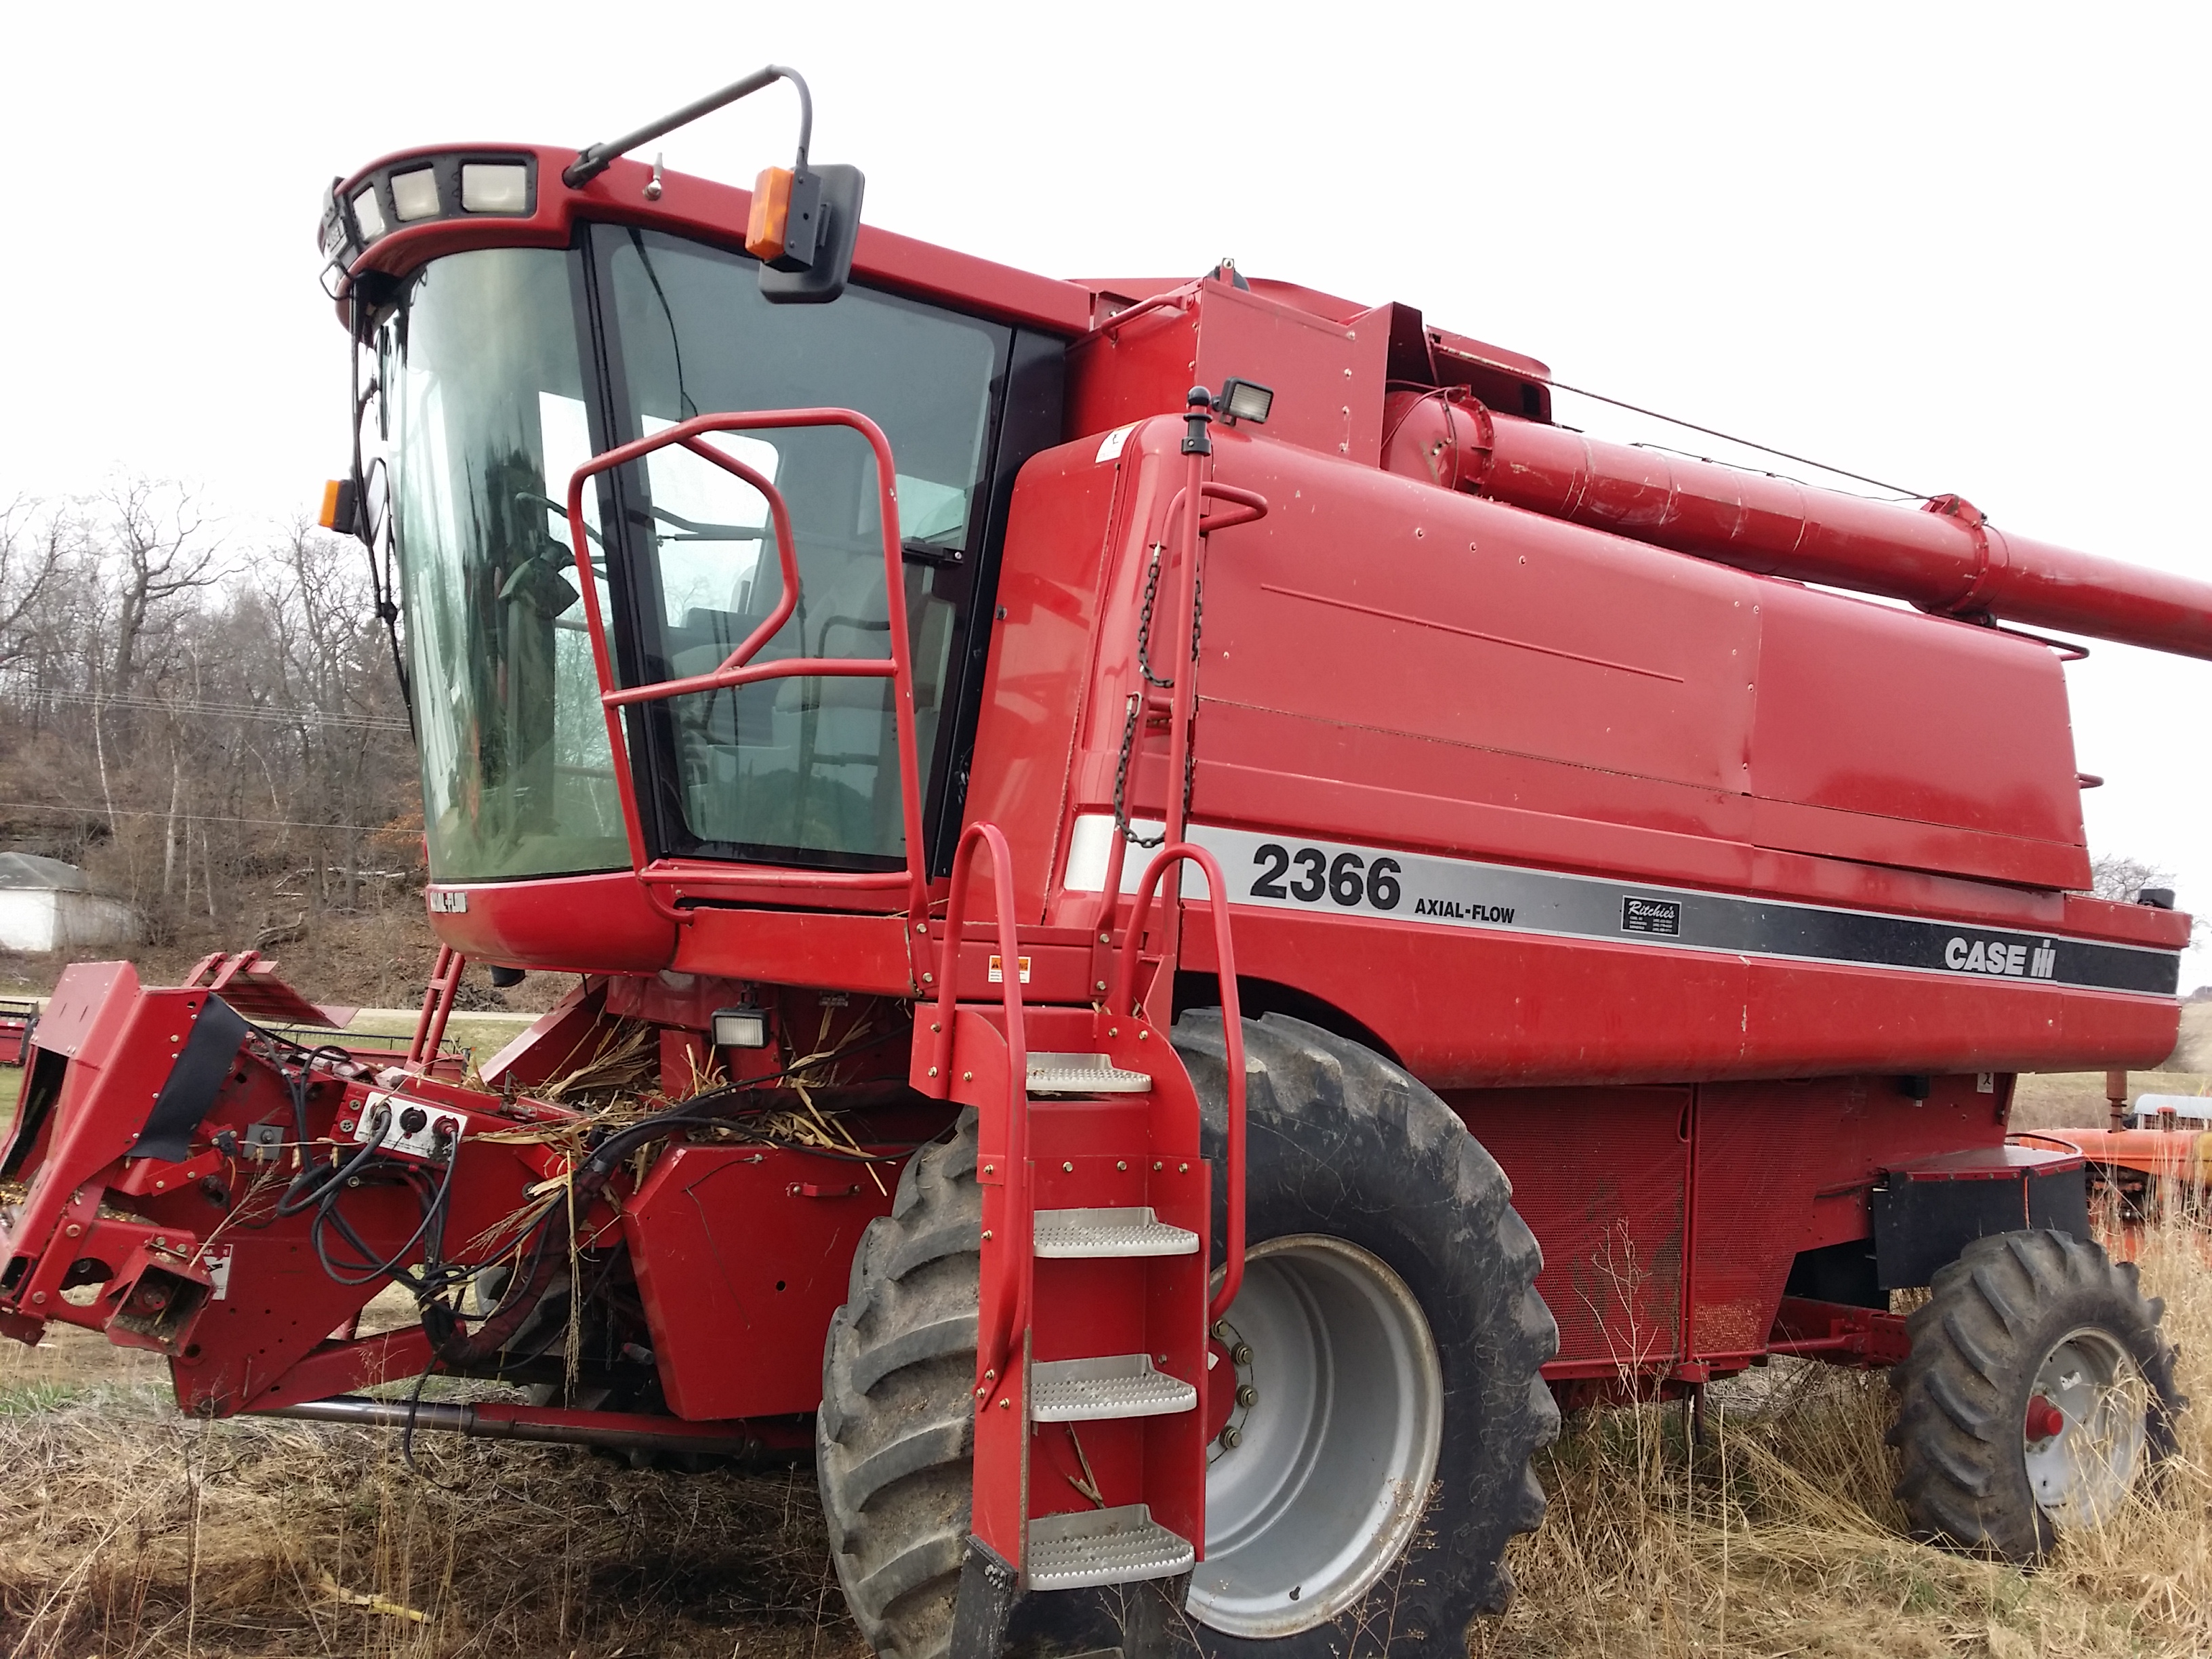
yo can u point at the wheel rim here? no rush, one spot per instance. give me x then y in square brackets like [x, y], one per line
[1333, 1460]
[2085, 1428]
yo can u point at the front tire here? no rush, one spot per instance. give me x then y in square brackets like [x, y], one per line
[1387, 1272]
[1347, 1158]
[2037, 1389]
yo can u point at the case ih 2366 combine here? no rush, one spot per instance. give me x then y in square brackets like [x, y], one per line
[1221, 915]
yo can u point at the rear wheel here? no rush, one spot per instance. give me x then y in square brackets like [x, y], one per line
[2038, 1390]
[1359, 1498]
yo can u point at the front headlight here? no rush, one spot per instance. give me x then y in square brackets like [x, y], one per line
[420, 188]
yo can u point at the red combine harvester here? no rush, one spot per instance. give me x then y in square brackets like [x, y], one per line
[1153, 841]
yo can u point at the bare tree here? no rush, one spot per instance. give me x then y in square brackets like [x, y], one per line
[34, 545]
[224, 746]
[2119, 877]
[2116, 876]
[160, 551]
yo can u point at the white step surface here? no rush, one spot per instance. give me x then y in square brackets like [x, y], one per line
[1052, 1073]
[1109, 1386]
[1066, 1234]
[1103, 1547]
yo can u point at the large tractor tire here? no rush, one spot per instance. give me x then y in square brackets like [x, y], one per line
[1361, 1501]
[895, 1439]
[2038, 1390]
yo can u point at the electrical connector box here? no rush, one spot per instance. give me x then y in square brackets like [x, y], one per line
[408, 1128]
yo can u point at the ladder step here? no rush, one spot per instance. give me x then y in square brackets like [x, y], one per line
[1103, 1547]
[1110, 1386]
[1082, 1074]
[1063, 1234]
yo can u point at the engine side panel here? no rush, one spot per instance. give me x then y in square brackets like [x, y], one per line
[1669, 1218]
[1389, 669]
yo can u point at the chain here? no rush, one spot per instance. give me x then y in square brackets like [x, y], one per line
[1144, 623]
[1137, 705]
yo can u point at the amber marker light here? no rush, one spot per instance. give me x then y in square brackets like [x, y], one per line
[768, 226]
[338, 506]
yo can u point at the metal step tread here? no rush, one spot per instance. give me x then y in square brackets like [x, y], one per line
[1103, 1547]
[1109, 1386]
[1054, 1074]
[1138, 1231]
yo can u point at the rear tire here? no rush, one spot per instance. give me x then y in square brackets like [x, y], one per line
[2038, 1390]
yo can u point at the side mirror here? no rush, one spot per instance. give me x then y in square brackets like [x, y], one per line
[804, 224]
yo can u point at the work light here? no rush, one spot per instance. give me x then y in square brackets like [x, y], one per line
[1245, 400]
[368, 214]
[741, 1028]
[414, 195]
[494, 187]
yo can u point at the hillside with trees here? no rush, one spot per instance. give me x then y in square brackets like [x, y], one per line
[210, 724]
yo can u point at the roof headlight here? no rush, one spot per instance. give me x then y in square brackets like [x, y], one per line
[414, 195]
[494, 187]
[368, 214]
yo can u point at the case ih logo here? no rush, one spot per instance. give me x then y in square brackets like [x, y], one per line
[1650, 915]
[2005, 960]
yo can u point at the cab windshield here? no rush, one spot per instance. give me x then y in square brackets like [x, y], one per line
[496, 384]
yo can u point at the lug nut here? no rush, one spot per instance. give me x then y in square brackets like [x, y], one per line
[1231, 1436]
[1247, 1396]
[1241, 1355]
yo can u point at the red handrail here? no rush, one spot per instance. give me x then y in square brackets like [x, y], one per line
[738, 669]
[1232, 1031]
[1018, 1223]
[437, 1005]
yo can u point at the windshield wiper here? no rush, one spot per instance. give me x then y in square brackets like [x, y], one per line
[694, 532]
[552, 506]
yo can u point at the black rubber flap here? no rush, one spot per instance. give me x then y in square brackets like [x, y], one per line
[193, 1081]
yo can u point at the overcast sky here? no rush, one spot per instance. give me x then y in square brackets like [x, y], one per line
[1959, 247]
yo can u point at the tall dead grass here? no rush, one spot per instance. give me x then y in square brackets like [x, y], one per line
[1779, 1535]
[128, 1533]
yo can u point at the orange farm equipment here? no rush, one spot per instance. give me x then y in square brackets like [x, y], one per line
[19, 1017]
[1186, 918]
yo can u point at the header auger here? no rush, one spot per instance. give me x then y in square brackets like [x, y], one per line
[1371, 778]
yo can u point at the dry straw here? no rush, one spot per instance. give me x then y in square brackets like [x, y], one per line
[129, 1533]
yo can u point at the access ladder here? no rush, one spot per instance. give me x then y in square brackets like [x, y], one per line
[1092, 1341]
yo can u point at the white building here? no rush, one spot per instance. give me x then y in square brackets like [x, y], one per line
[47, 905]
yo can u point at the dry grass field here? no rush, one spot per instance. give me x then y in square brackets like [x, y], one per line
[129, 1533]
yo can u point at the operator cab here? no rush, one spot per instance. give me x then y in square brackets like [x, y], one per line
[500, 347]
[503, 369]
